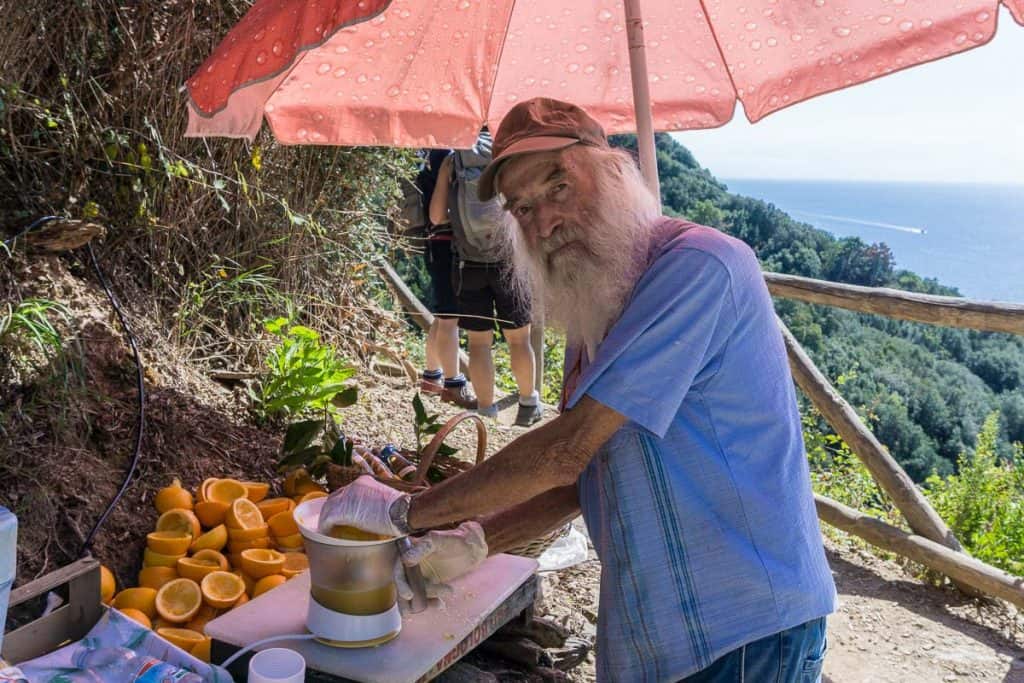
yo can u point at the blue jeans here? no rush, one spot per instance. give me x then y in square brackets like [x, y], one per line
[795, 655]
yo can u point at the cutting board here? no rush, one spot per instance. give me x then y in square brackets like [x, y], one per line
[428, 643]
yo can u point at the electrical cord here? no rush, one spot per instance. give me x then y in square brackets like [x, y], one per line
[139, 374]
[248, 648]
[140, 422]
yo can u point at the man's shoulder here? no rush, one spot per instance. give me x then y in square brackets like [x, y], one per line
[677, 237]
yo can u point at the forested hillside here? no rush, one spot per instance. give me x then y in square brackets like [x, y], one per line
[924, 390]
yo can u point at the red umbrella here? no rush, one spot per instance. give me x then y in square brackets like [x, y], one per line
[430, 74]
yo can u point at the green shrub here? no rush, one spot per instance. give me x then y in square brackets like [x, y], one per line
[983, 503]
[304, 374]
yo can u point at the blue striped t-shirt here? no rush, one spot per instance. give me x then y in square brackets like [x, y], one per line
[700, 507]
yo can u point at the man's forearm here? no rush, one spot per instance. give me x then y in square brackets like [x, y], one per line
[521, 524]
[547, 457]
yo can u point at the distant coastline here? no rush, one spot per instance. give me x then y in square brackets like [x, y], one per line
[966, 235]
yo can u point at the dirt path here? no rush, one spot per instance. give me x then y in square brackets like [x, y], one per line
[889, 627]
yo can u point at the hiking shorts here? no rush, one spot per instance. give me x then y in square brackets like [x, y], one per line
[484, 298]
[440, 261]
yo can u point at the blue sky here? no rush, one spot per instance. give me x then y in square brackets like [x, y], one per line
[960, 119]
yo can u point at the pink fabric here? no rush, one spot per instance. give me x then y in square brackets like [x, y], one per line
[429, 73]
[1016, 9]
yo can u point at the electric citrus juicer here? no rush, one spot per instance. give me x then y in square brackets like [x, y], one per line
[353, 599]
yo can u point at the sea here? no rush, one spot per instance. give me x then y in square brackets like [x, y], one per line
[965, 235]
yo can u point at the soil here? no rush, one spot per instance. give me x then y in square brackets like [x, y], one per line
[58, 477]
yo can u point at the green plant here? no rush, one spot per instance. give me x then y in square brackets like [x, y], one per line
[30, 321]
[304, 374]
[425, 425]
[315, 444]
[983, 503]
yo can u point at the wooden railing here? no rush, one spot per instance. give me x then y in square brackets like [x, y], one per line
[932, 543]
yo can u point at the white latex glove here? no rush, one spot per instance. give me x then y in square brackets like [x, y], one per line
[442, 556]
[364, 504]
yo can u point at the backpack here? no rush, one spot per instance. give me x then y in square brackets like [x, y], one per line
[412, 214]
[476, 225]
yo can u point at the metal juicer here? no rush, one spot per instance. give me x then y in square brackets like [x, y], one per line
[353, 598]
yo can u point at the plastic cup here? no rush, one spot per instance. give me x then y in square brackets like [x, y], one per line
[277, 665]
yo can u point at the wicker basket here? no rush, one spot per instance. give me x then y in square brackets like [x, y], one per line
[446, 466]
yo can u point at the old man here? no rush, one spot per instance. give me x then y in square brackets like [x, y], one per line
[679, 436]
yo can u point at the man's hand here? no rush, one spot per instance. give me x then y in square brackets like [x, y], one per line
[442, 556]
[368, 505]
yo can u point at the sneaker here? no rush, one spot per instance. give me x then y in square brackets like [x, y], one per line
[490, 411]
[528, 415]
[431, 386]
[460, 395]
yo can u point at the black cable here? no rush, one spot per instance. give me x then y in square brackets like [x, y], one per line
[87, 545]
[35, 224]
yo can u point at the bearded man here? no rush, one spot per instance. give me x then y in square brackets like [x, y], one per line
[679, 436]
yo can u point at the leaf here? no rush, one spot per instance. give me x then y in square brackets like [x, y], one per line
[300, 435]
[303, 457]
[421, 412]
[341, 454]
[447, 450]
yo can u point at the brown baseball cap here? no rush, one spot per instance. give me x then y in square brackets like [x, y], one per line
[539, 125]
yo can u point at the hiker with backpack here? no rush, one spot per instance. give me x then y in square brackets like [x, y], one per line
[440, 374]
[480, 274]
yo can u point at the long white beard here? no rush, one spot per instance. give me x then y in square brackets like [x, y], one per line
[583, 289]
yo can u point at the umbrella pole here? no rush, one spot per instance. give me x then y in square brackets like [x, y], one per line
[641, 96]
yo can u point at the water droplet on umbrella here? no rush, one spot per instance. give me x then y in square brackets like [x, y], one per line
[318, 29]
[323, 68]
[394, 91]
[906, 26]
[796, 37]
[341, 49]
[884, 19]
[317, 116]
[340, 72]
[270, 108]
[841, 31]
[700, 89]
[404, 14]
[589, 69]
[582, 47]
[978, 37]
[572, 68]
[302, 132]
[926, 23]
[981, 17]
[361, 78]
[819, 3]
[259, 35]
[772, 42]
[427, 109]
[446, 87]
[604, 15]
[277, 48]
[261, 57]
[960, 38]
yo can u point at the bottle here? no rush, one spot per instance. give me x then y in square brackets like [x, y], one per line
[122, 664]
[399, 465]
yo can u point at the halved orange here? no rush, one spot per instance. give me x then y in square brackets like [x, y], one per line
[267, 583]
[201, 651]
[272, 506]
[202, 617]
[256, 490]
[261, 531]
[226, 491]
[171, 497]
[246, 579]
[211, 513]
[201, 491]
[235, 559]
[142, 599]
[312, 495]
[243, 515]
[242, 600]
[283, 524]
[168, 542]
[154, 559]
[221, 590]
[136, 615]
[156, 577]
[294, 564]
[291, 542]
[239, 546]
[179, 519]
[214, 539]
[179, 600]
[108, 585]
[191, 568]
[260, 562]
[184, 638]
[212, 556]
